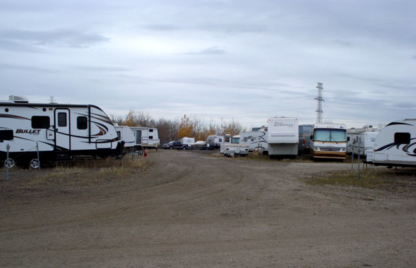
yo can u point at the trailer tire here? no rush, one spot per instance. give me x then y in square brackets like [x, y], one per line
[9, 162]
[34, 163]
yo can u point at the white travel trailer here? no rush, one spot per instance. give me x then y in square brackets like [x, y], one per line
[256, 140]
[395, 144]
[234, 148]
[187, 141]
[214, 141]
[329, 141]
[361, 140]
[146, 137]
[54, 132]
[283, 136]
[125, 134]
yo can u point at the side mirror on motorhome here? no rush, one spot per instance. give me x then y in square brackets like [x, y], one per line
[311, 137]
[348, 138]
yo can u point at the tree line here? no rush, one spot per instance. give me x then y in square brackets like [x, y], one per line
[172, 130]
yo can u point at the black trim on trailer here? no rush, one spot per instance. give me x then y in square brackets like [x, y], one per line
[89, 123]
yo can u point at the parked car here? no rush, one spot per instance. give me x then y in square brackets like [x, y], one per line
[167, 145]
[179, 146]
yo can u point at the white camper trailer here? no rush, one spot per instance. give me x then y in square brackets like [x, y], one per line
[361, 139]
[395, 144]
[329, 141]
[234, 148]
[146, 137]
[283, 136]
[256, 140]
[188, 142]
[54, 132]
[214, 141]
[125, 134]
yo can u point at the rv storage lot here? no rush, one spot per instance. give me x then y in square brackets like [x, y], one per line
[193, 210]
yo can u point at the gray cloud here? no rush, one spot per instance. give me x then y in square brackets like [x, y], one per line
[208, 51]
[18, 47]
[66, 38]
[162, 27]
[26, 68]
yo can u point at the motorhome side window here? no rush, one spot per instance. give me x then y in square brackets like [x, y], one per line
[40, 122]
[62, 120]
[402, 138]
[150, 130]
[150, 137]
[82, 122]
[6, 135]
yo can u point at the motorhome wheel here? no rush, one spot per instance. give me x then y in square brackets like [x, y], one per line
[9, 163]
[184, 148]
[34, 163]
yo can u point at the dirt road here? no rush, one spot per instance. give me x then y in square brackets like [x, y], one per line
[193, 210]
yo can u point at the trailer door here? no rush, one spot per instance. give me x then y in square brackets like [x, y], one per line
[138, 137]
[62, 129]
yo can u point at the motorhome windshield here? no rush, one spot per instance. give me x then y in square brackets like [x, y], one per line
[235, 140]
[333, 135]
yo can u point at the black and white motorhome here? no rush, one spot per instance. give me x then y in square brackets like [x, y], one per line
[54, 131]
[146, 137]
[395, 145]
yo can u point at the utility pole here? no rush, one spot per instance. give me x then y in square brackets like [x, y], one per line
[319, 111]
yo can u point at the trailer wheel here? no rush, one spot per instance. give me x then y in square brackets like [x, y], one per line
[34, 163]
[9, 163]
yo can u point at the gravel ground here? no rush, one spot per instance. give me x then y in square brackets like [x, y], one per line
[193, 210]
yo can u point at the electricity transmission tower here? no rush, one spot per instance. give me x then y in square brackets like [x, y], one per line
[319, 111]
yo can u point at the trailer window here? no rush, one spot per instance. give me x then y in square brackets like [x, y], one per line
[150, 137]
[62, 120]
[82, 122]
[40, 122]
[6, 135]
[402, 138]
[150, 130]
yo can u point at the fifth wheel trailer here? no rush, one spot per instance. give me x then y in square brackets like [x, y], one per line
[54, 131]
[283, 136]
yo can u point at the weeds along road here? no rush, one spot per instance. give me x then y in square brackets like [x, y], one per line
[194, 210]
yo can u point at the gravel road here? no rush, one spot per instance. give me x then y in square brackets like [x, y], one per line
[194, 210]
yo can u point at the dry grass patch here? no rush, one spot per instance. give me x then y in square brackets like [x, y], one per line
[78, 173]
[396, 180]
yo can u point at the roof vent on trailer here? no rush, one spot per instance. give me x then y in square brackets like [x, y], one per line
[18, 99]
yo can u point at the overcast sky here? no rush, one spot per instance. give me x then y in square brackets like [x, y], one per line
[242, 60]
